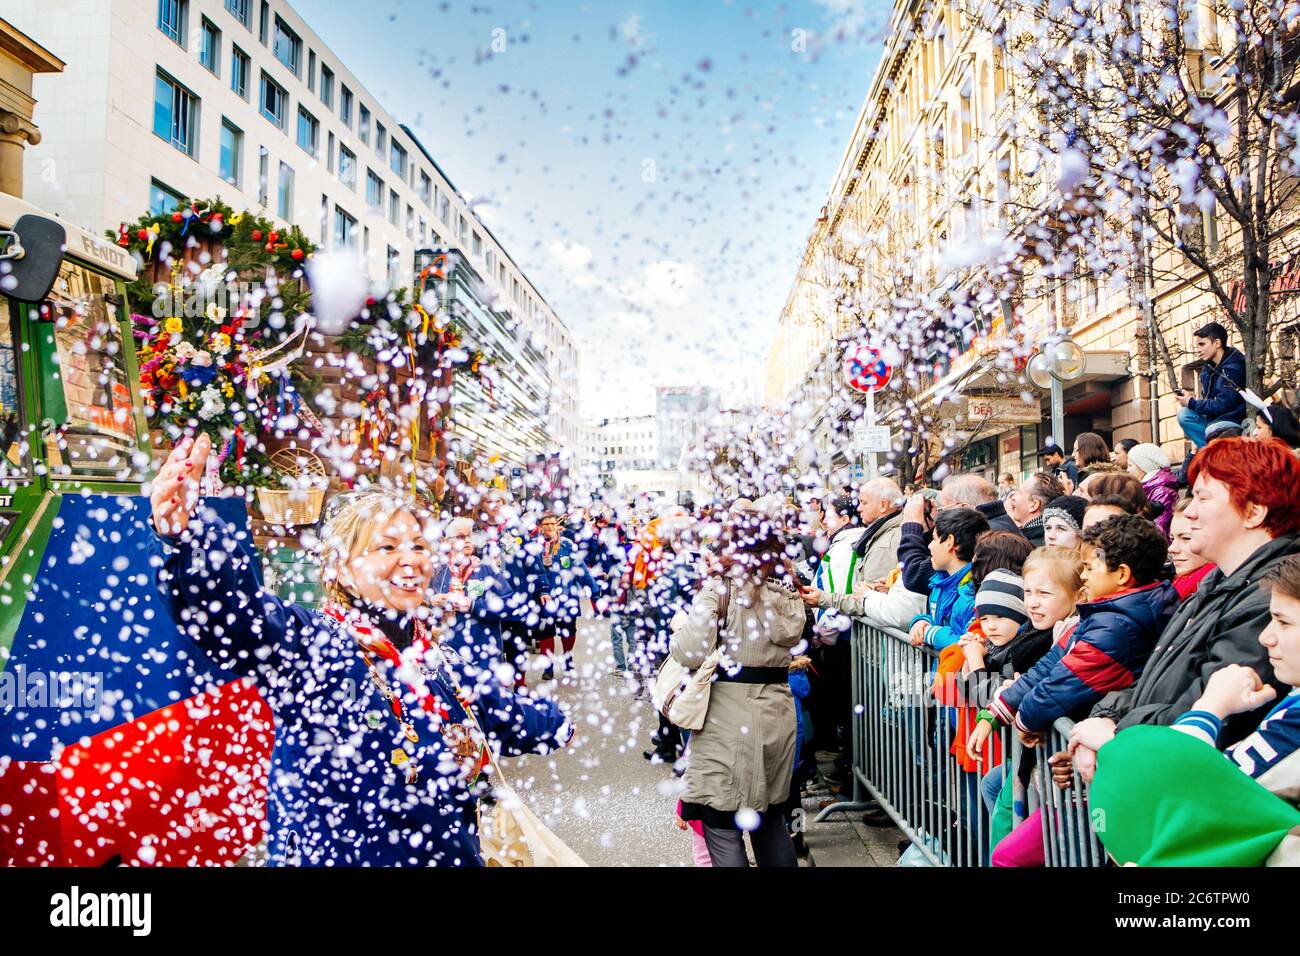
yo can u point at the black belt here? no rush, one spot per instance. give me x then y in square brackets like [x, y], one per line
[755, 675]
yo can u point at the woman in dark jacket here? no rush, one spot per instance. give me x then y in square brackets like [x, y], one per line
[371, 767]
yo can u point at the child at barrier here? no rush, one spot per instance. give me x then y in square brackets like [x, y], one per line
[995, 571]
[951, 604]
[1162, 797]
[1052, 587]
[1127, 608]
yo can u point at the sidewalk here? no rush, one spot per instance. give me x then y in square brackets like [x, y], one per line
[842, 839]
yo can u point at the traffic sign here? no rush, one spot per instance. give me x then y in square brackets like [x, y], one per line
[865, 371]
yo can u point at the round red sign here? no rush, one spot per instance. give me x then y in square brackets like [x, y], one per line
[865, 371]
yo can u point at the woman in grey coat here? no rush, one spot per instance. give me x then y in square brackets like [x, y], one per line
[741, 762]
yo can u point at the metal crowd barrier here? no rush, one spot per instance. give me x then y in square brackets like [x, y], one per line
[1068, 837]
[902, 760]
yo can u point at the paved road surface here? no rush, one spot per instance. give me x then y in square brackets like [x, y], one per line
[600, 795]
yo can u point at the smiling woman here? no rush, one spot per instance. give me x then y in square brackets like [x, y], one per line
[381, 734]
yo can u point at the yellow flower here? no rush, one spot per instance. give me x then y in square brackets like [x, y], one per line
[174, 326]
[221, 343]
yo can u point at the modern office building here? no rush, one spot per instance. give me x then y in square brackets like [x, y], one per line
[166, 100]
[501, 422]
[681, 411]
[615, 446]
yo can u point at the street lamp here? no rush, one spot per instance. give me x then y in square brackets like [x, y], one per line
[1058, 360]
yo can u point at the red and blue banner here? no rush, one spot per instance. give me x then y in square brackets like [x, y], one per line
[119, 741]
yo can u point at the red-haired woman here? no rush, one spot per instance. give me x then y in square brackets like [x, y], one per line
[1244, 517]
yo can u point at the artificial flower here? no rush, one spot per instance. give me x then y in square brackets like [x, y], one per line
[174, 325]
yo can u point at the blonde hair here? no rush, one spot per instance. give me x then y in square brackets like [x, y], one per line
[1064, 565]
[352, 520]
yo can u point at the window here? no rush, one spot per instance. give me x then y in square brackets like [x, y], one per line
[347, 167]
[397, 161]
[365, 240]
[463, 231]
[329, 155]
[363, 125]
[92, 397]
[275, 101]
[263, 18]
[239, 9]
[210, 47]
[394, 266]
[324, 220]
[381, 139]
[426, 188]
[374, 190]
[491, 263]
[232, 151]
[311, 71]
[175, 114]
[478, 244]
[284, 196]
[410, 222]
[263, 175]
[444, 210]
[345, 105]
[239, 71]
[171, 20]
[287, 47]
[394, 208]
[14, 461]
[424, 230]
[345, 229]
[163, 199]
[327, 86]
[308, 132]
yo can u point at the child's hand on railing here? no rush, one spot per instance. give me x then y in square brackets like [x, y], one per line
[978, 738]
[1029, 739]
[1062, 769]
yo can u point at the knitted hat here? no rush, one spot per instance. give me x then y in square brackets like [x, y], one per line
[1068, 508]
[1002, 594]
[1148, 457]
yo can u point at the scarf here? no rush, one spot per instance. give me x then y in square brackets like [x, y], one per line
[873, 529]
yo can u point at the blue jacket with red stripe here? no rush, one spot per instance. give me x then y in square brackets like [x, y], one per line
[1105, 651]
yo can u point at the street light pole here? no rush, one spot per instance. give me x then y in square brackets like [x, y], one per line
[1058, 413]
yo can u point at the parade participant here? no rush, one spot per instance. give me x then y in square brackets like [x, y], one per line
[743, 757]
[477, 602]
[380, 737]
[503, 544]
[672, 591]
[556, 579]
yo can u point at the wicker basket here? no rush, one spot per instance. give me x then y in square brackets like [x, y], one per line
[300, 504]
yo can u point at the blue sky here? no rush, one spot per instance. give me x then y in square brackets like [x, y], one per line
[654, 167]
